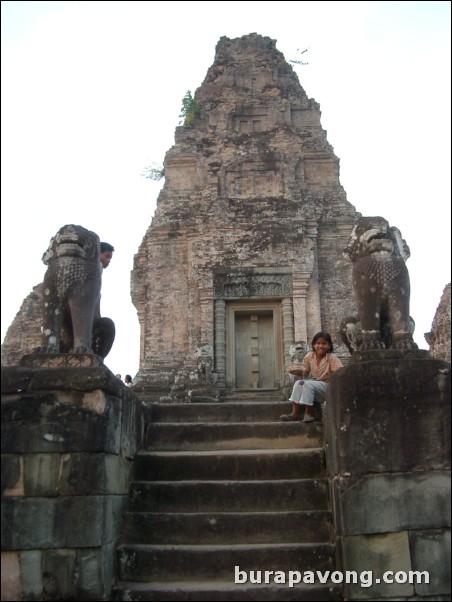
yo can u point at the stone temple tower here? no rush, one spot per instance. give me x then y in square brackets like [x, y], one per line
[244, 257]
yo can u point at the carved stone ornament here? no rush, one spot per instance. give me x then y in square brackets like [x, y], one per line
[248, 285]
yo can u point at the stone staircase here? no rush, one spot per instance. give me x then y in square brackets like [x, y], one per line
[225, 485]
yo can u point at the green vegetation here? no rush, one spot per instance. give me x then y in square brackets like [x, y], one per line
[189, 111]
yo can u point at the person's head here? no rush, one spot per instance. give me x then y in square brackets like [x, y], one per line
[128, 379]
[324, 339]
[106, 254]
[119, 376]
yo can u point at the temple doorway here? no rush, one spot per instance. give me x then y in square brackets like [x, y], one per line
[254, 345]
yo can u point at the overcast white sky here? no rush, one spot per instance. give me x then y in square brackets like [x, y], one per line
[92, 91]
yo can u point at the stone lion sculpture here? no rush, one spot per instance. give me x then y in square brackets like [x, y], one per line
[71, 292]
[382, 287]
[205, 363]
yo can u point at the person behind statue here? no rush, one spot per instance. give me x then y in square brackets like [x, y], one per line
[103, 328]
[318, 364]
[128, 380]
[106, 254]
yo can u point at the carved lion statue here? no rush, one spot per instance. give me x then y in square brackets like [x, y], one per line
[71, 291]
[382, 286]
[205, 363]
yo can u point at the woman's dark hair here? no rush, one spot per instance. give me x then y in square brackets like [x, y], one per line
[323, 335]
[128, 378]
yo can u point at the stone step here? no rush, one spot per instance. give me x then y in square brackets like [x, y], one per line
[140, 562]
[229, 496]
[217, 591]
[229, 464]
[232, 435]
[226, 527]
[250, 411]
[246, 394]
[220, 485]
[148, 396]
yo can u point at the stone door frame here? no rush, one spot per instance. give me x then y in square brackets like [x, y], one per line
[255, 286]
[257, 307]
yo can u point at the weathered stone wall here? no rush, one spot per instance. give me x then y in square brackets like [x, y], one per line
[69, 435]
[388, 455]
[24, 335]
[251, 189]
[439, 336]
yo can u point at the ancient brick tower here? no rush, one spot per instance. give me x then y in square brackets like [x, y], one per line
[244, 255]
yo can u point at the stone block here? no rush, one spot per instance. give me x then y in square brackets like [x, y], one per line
[11, 582]
[94, 474]
[133, 423]
[378, 554]
[391, 502]
[10, 471]
[83, 375]
[60, 360]
[59, 574]
[41, 423]
[15, 380]
[26, 523]
[389, 416]
[41, 474]
[63, 522]
[31, 572]
[430, 551]
[95, 572]
[76, 379]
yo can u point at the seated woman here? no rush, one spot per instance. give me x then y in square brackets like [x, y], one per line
[319, 364]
